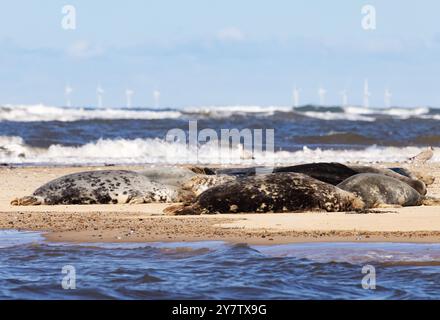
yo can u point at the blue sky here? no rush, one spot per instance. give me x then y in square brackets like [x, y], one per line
[219, 52]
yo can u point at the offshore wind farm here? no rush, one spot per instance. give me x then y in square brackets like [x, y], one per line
[303, 131]
[296, 98]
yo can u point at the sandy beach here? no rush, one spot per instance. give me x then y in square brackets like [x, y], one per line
[146, 223]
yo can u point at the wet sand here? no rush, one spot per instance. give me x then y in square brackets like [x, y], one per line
[146, 223]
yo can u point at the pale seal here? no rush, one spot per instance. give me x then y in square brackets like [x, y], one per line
[162, 184]
[200, 183]
[378, 190]
[107, 187]
[288, 192]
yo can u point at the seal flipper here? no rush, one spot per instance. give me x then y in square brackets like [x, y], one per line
[387, 206]
[431, 201]
[136, 200]
[182, 210]
[28, 201]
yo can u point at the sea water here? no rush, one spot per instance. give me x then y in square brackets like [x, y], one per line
[31, 268]
[40, 134]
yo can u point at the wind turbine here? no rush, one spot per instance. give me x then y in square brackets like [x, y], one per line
[99, 93]
[344, 95]
[68, 91]
[156, 96]
[388, 96]
[296, 92]
[129, 94]
[367, 94]
[321, 93]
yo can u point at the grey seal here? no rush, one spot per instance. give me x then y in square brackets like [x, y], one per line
[333, 173]
[110, 187]
[163, 184]
[426, 178]
[288, 192]
[378, 190]
[417, 184]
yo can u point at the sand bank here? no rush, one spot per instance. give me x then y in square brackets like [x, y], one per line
[145, 223]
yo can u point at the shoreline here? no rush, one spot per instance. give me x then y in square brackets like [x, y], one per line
[141, 227]
[146, 223]
[271, 239]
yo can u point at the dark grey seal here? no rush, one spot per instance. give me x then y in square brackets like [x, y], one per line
[288, 192]
[333, 173]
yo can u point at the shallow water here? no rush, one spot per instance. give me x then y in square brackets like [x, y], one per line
[31, 268]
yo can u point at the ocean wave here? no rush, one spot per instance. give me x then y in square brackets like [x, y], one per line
[13, 150]
[39, 112]
[328, 115]
[227, 111]
[394, 111]
[337, 138]
[44, 113]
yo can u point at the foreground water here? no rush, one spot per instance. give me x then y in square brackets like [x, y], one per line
[31, 268]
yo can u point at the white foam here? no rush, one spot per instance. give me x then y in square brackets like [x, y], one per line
[406, 112]
[226, 111]
[39, 112]
[12, 146]
[327, 115]
[157, 151]
[402, 113]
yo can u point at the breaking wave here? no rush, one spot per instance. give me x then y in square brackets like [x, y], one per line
[33, 113]
[43, 113]
[13, 150]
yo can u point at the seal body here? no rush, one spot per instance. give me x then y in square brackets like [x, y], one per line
[200, 183]
[287, 192]
[101, 187]
[378, 190]
[333, 173]
[425, 177]
[418, 185]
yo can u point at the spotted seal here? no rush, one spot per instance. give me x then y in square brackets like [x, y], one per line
[162, 184]
[377, 190]
[110, 187]
[288, 192]
[200, 183]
